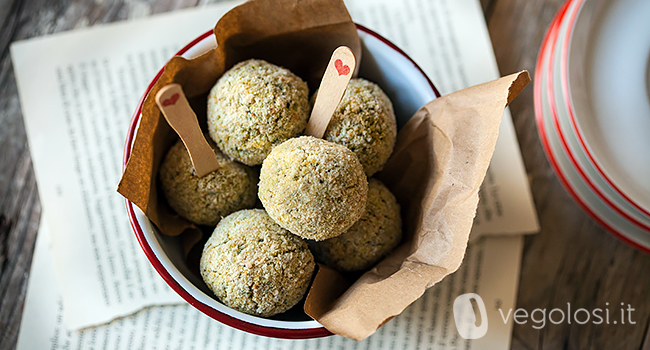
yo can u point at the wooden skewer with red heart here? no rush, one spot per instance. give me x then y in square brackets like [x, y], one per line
[174, 106]
[335, 80]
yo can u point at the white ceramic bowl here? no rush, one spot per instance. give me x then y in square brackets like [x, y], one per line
[382, 62]
[605, 64]
[562, 144]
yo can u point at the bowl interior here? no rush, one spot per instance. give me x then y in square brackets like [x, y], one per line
[383, 63]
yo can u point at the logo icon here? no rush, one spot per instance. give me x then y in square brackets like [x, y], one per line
[470, 325]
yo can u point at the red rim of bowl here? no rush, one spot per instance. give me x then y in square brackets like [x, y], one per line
[215, 314]
[549, 42]
[564, 81]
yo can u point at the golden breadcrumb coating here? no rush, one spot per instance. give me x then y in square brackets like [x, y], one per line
[255, 266]
[205, 200]
[370, 239]
[254, 106]
[364, 122]
[314, 188]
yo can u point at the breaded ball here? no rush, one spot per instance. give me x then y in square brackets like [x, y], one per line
[364, 122]
[314, 188]
[255, 266]
[205, 200]
[254, 106]
[370, 239]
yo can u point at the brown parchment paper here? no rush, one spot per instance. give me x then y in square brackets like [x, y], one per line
[436, 170]
[299, 35]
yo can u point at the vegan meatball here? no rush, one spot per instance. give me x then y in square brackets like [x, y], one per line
[205, 200]
[255, 266]
[254, 106]
[370, 239]
[314, 188]
[364, 122]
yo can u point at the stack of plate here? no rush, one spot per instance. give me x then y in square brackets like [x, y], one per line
[592, 105]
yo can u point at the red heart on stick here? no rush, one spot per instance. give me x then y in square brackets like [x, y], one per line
[171, 101]
[341, 68]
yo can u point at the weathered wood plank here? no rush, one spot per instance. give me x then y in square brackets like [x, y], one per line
[19, 205]
[646, 341]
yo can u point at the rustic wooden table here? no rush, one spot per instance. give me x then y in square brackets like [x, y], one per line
[572, 260]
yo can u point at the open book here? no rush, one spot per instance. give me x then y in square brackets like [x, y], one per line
[94, 78]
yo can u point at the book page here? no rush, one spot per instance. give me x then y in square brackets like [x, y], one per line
[449, 40]
[78, 91]
[490, 269]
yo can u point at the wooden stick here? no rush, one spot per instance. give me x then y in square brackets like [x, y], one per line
[336, 78]
[174, 106]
